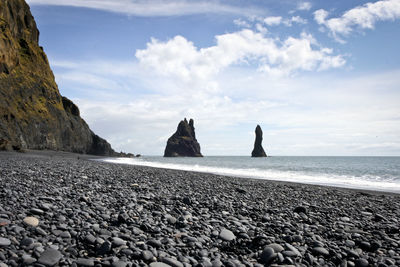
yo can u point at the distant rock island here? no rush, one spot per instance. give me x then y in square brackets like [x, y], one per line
[183, 142]
[33, 114]
[258, 150]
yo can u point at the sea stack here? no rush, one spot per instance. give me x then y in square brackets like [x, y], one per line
[258, 150]
[183, 142]
[33, 114]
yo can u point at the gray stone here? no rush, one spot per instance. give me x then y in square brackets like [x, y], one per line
[27, 242]
[293, 249]
[50, 257]
[267, 255]
[154, 243]
[4, 242]
[276, 247]
[172, 262]
[361, 263]
[36, 211]
[85, 262]
[119, 264]
[158, 264]
[147, 255]
[116, 241]
[226, 235]
[65, 234]
[170, 219]
[104, 248]
[27, 259]
[320, 251]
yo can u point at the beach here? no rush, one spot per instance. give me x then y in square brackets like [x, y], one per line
[64, 209]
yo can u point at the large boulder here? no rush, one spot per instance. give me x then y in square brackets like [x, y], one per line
[258, 150]
[183, 142]
[33, 114]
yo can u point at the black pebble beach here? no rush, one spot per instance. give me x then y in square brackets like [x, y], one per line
[60, 209]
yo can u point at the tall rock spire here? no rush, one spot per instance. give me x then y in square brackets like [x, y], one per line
[258, 150]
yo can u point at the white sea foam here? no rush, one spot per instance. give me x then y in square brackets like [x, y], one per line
[363, 182]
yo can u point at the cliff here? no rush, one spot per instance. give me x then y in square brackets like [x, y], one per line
[183, 142]
[258, 150]
[33, 114]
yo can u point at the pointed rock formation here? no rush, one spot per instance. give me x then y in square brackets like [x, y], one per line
[258, 150]
[33, 114]
[183, 142]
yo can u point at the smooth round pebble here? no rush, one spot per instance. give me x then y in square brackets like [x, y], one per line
[32, 221]
[226, 235]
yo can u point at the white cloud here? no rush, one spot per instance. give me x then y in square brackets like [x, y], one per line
[320, 15]
[298, 19]
[277, 20]
[270, 21]
[152, 7]
[362, 17]
[304, 6]
[260, 28]
[179, 57]
[242, 23]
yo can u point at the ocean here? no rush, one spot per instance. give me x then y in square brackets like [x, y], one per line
[371, 173]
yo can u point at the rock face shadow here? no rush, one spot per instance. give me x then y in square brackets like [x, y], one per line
[258, 150]
[183, 142]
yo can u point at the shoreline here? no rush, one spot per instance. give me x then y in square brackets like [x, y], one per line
[96, 213]
[333, 186]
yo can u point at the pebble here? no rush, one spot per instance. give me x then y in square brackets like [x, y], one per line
[293, 249]
[119, 264]
[158, 264]
[85, 262]
[267, 255]
[147, 255]
[172, 262]
[36, 211]
[50, 257]
[116, 241]
[27, 259]
[27, 242]
[300, 209]
[4, 242]
[104, 248]
[276, 247]
[226, 235]
[361, 263]
[320, 251]
[154, 243]
[184, 219]
[170, 219]
[32, 221]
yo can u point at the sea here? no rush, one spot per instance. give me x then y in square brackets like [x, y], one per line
[370, 173]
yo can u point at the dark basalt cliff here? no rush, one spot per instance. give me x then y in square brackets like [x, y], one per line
[183, 142]
[33, 114]
[258, 150]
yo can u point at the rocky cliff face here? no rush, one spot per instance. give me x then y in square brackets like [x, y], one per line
[258, 150]
[33, 114]
[183, 142]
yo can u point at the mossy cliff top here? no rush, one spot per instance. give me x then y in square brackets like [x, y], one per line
[33, 114]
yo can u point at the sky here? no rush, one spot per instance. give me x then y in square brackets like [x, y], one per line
[320, 77]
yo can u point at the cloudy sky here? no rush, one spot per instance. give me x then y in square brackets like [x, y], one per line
[320, 77]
